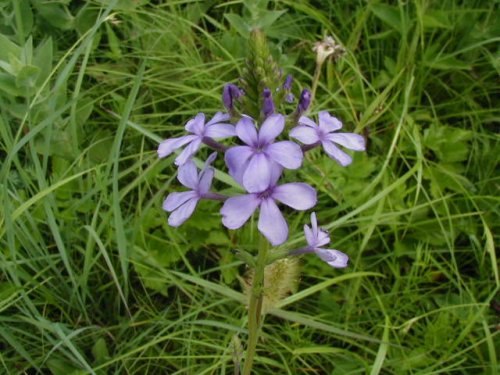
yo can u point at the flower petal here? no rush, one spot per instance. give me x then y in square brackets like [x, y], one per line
[310, 237]
[237, 210]
[177, 199]
[257, 175]
[188, 152]
[333, 257]
[187, 175]
[196, 125]
[168, 146]
[236, 159]
[245, 130]
[181, 214]
[306, 121]
[336, 153]
[272, 224]
[305, 134]
[298, 195]
[328, 123]
[351, 141]
[271, 128]
[218, 117]
[285, 153]
[323, 238]
[220, 131]
[205, 183]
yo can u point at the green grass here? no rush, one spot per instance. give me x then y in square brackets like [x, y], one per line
[94, 280]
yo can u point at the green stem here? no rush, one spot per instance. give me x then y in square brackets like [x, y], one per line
[317, 74]
[255, 306]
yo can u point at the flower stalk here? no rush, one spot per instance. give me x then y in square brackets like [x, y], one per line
[255, 317]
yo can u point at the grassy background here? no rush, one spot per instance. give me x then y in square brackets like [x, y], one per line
[94, 281]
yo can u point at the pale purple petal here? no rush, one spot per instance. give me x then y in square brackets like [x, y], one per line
[328, 123]
[177, 199]
[297, 195]
[276, 170]
[305, 134]
[314, 224]
[336, 153]
[334, 258]
[236, 159]
[349, 140]
[272, 224]
[206, 177]
[245, 130]
[220, 131]
[310, 237]
[285, 153]
[306, 121]
[219, 117]
[181, 214]
[237, 210]
[257, 175]
[168, 146]
[188, 152]
[323, 238]
[196, 125]
[188, 175]
[271, 128]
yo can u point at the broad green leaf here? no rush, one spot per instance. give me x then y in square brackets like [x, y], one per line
[388, 14]
[239, 24]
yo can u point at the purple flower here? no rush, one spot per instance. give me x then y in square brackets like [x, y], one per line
[268, 105]
[237, 210]
[215, 128]
[182, 204]
[230, 93]
[317, 237]
[311, 134]
[288, 82]
[304, 101]
[251, 165]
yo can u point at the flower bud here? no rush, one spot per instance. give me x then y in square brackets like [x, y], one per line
[230, 92]
[304, 101]
[268, 105]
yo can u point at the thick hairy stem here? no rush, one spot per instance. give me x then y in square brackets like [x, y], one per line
[255, 306]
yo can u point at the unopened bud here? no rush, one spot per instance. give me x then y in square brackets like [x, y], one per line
[268, 105]
[304, 101]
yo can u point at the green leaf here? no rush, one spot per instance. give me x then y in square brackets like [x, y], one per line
[43, 60]
[55, 14]
[100, 351]
[239, 24]
[8, 48]
[388, 14]
[436, 20]
[27, 76]
[268, 18]
[8, 85]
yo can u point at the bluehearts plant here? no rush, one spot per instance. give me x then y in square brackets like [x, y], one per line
[257, 158]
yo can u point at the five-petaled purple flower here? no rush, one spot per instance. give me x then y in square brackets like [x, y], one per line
[237, 210]
[311, 134]
[316, 238]
[215, 128]
[252, 165]
[182, 204]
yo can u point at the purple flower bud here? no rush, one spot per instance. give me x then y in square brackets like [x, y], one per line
[230, 92]
[288, 82]
[289, 98]
[268, 106]
[304, 101]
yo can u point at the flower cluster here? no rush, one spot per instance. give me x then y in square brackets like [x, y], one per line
[257, 161]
